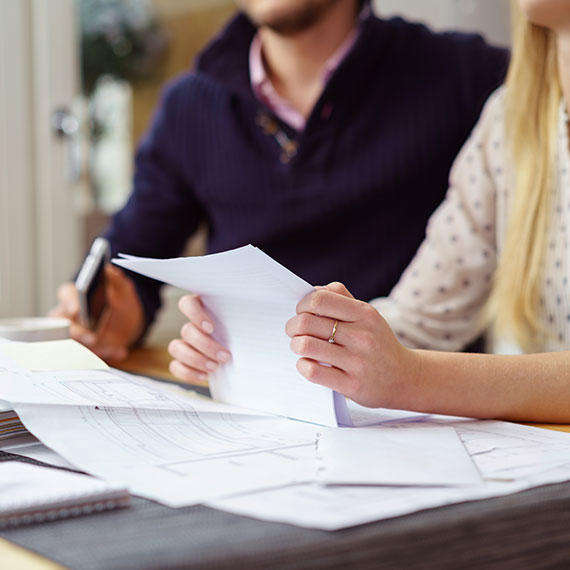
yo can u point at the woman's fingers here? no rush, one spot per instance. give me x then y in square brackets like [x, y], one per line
[365, 362]
[324, 352]
[340, 288]
[307, 324]
[329, 376]
[327, 303]
[192, 307]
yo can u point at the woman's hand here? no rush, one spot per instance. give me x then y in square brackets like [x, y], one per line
[196, 354]
[365, 362]
[121, 323]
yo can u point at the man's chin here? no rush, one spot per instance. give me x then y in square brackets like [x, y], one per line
[294, 18]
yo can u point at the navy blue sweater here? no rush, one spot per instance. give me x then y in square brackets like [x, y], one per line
[372, 163]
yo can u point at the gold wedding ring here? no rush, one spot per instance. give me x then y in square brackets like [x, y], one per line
[331, 338]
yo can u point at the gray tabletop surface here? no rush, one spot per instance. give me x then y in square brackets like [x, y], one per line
[529, 530]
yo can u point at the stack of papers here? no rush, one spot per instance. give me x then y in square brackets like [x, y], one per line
[12, 430]
[182, 450]
[165, 446]
[522, 456]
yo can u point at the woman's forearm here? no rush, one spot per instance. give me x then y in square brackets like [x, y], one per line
[533, 387]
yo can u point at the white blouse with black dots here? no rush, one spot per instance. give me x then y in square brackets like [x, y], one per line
[437, 302]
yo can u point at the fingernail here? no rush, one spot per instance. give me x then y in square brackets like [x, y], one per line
[211, 365]
[203, 377]
[207, 327]
[223, 356]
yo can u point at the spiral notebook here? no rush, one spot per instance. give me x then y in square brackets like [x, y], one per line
[31, 494]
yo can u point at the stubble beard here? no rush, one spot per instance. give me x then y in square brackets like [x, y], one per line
[296, 21]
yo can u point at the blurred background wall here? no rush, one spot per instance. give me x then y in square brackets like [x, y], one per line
[487, 17]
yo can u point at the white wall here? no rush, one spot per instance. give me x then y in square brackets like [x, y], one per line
[490, 18]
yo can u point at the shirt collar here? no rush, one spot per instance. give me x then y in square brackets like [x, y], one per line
[266, 93]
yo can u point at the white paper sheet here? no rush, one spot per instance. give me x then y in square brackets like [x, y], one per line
[38, 451]
[165, 446]
[251, 297]
[505, 451]
[382, 456]
[182, 451]
[361, 416]
[491, 444]
[65, 354]
[337, 507]
[112, 388]
[177, 457]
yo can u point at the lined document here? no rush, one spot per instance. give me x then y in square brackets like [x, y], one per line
[251, 297]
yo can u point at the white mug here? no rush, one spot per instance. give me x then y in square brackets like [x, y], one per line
[34, 328]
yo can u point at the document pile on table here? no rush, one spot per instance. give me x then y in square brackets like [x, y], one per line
[166, 445]
[11, 428]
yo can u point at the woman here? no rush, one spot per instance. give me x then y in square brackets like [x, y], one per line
[496, 253]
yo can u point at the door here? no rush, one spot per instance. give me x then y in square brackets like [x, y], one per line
[39, 184]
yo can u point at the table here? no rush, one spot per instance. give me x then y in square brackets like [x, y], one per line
[527, 531]
[150, 361]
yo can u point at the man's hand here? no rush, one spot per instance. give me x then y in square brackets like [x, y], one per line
[121, 324]
[196, 353]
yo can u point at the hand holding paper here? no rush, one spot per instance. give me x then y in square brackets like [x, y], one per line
[251, 297]
[196, 354]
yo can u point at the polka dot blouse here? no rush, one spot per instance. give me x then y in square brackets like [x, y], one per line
[438, 300]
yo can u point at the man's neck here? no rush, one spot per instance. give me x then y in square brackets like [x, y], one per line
[294, 63]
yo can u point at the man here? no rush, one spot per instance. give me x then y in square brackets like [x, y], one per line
[311, 129]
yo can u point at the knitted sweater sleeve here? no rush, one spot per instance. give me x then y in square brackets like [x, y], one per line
[438, 300]
[162, 211]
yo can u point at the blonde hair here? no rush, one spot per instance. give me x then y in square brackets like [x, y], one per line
[532, 103]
